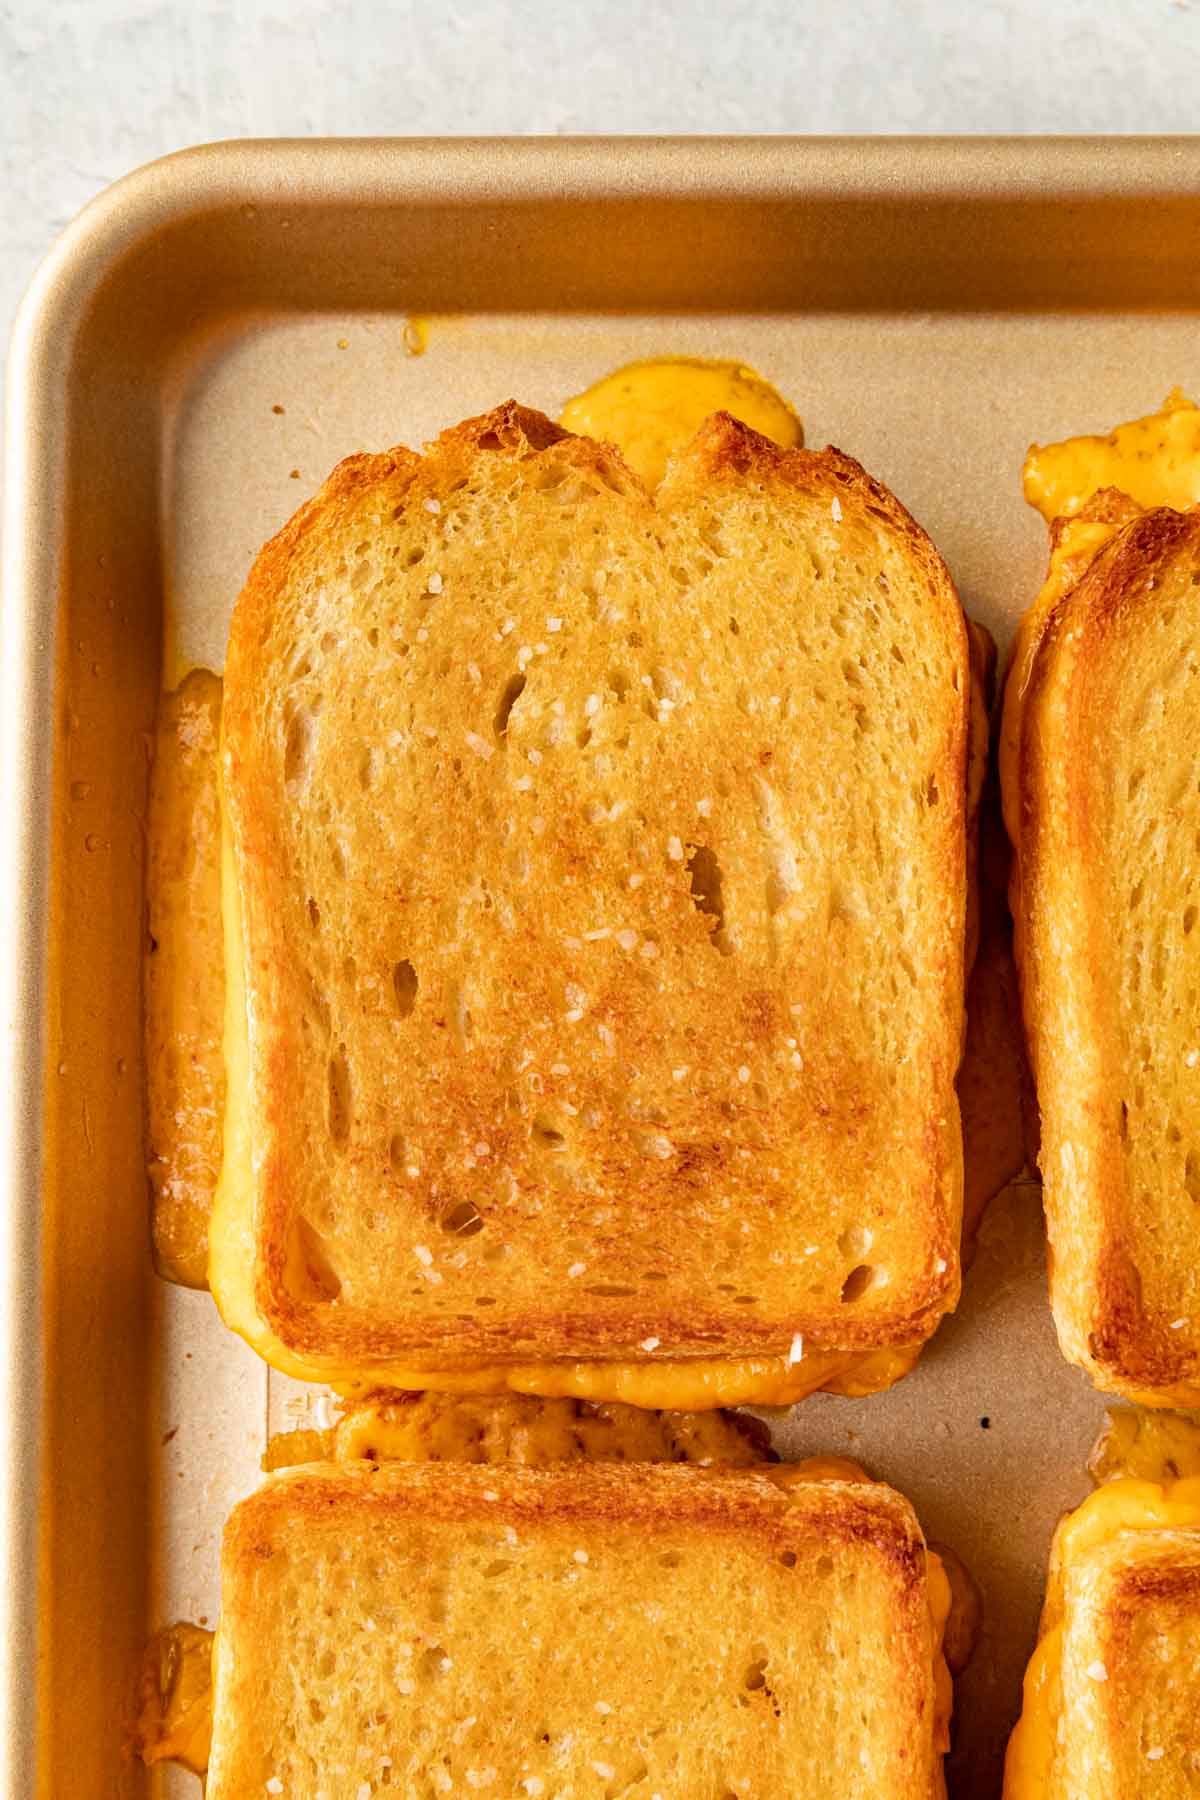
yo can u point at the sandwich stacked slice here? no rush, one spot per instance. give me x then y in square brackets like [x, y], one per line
[1102, 803]
[599, 1630]
[594, 889]
[1112, 1693]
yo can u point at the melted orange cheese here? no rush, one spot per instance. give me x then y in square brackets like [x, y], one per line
[1155, 460]
[174, 1722]
[501, 1429]
[1153, 1446]
[651, 409]
[1119, 1506]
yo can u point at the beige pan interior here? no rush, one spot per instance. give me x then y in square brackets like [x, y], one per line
[242, 316]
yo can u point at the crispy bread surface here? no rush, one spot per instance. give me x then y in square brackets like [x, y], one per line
[1131, 1670]
[1105, 804]
[600, 863]
[636, 1630]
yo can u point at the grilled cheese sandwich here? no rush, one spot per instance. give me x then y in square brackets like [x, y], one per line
[304, 1285]
[1100, 803]
[244, 1743]
[1070, 1739]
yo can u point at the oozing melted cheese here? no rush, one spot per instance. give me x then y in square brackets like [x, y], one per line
[1119, 1506]
[1152, 1446]
[651, 409]
[1155, 460]
[174, 1722]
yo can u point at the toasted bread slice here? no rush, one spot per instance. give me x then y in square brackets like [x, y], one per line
[1104, 802]
[594, 913]
[608, 1630]
[1113, 1690]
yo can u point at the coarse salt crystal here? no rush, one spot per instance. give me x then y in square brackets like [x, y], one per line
[636, 879]
[603, 1707]
[1156, 1754]
[743, 1073]
[1097, 1672]
[533, 1784]
[576, 1269]
[1178, 1324]
[650, 1343]
[593, 937]
[1192, 1058]
[508, 627]
[433, 506]
[434, 583]
[274, 1785]
[604, 1770]
[523, 783]
[480, 745]
[581, 1556]
[796, 1351]
[674, 849]
[835, 507]
[591, 705]
[573, 1017]
[704, 808]
[553, 624]
[680, 1073]
[560, 1069]
[627, 938]
[423, 1254]
[649, 949]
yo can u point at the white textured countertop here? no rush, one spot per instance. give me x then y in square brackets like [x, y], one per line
[89, 89]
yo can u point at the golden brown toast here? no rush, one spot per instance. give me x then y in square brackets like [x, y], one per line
[185, 980]
[612, 1630]
[599, 866]
[1102, 797]
[1112, 1695]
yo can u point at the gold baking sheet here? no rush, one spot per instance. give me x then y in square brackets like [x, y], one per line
[930, 308]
